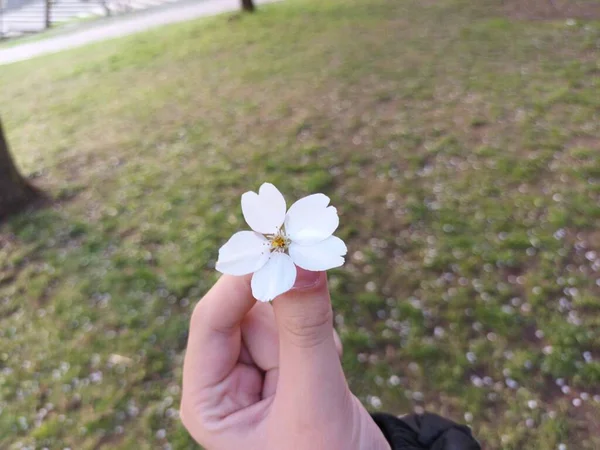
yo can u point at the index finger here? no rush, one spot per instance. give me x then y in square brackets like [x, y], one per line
[214, 340]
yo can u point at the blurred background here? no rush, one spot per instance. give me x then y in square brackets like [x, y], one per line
[459, 139]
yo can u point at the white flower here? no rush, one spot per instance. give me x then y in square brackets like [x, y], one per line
[279, 242]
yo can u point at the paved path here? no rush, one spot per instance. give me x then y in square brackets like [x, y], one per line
[120, 26]
[30, 15]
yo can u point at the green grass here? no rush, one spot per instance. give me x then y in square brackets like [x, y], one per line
[461, 149]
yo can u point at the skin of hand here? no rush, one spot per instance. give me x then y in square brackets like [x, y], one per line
[268, 377]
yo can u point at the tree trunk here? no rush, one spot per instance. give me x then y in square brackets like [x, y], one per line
[248, 5]
[15, 192]
[48, 14]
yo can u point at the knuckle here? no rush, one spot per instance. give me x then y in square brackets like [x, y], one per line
[184, 416]
[205, 318]
[198, 314]
[191, 423]
[309, 330]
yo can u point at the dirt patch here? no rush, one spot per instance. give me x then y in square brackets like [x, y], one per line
[552, 9]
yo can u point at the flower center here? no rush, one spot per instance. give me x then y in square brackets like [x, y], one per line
[279, 243]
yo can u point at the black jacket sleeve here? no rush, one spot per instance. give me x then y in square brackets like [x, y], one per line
[425, 432]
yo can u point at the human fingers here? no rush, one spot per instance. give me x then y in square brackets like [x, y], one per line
[310, 371]
[215, 336]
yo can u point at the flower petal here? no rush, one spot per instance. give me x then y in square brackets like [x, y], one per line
[245, 252]
[265, 211]
[309, 220]
[324, 255]
[274, 278]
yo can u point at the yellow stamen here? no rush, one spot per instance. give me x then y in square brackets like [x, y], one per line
[278, 243]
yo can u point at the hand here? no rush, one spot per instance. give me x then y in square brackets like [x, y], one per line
[262, 377]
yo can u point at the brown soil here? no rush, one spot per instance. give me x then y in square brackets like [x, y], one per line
[552, 9]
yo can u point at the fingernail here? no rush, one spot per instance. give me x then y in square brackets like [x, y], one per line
[306, 279]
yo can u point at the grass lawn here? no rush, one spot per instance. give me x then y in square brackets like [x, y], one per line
[461, 148]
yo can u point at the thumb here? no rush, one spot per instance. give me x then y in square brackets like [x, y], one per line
[310, 372]
[304, 315]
